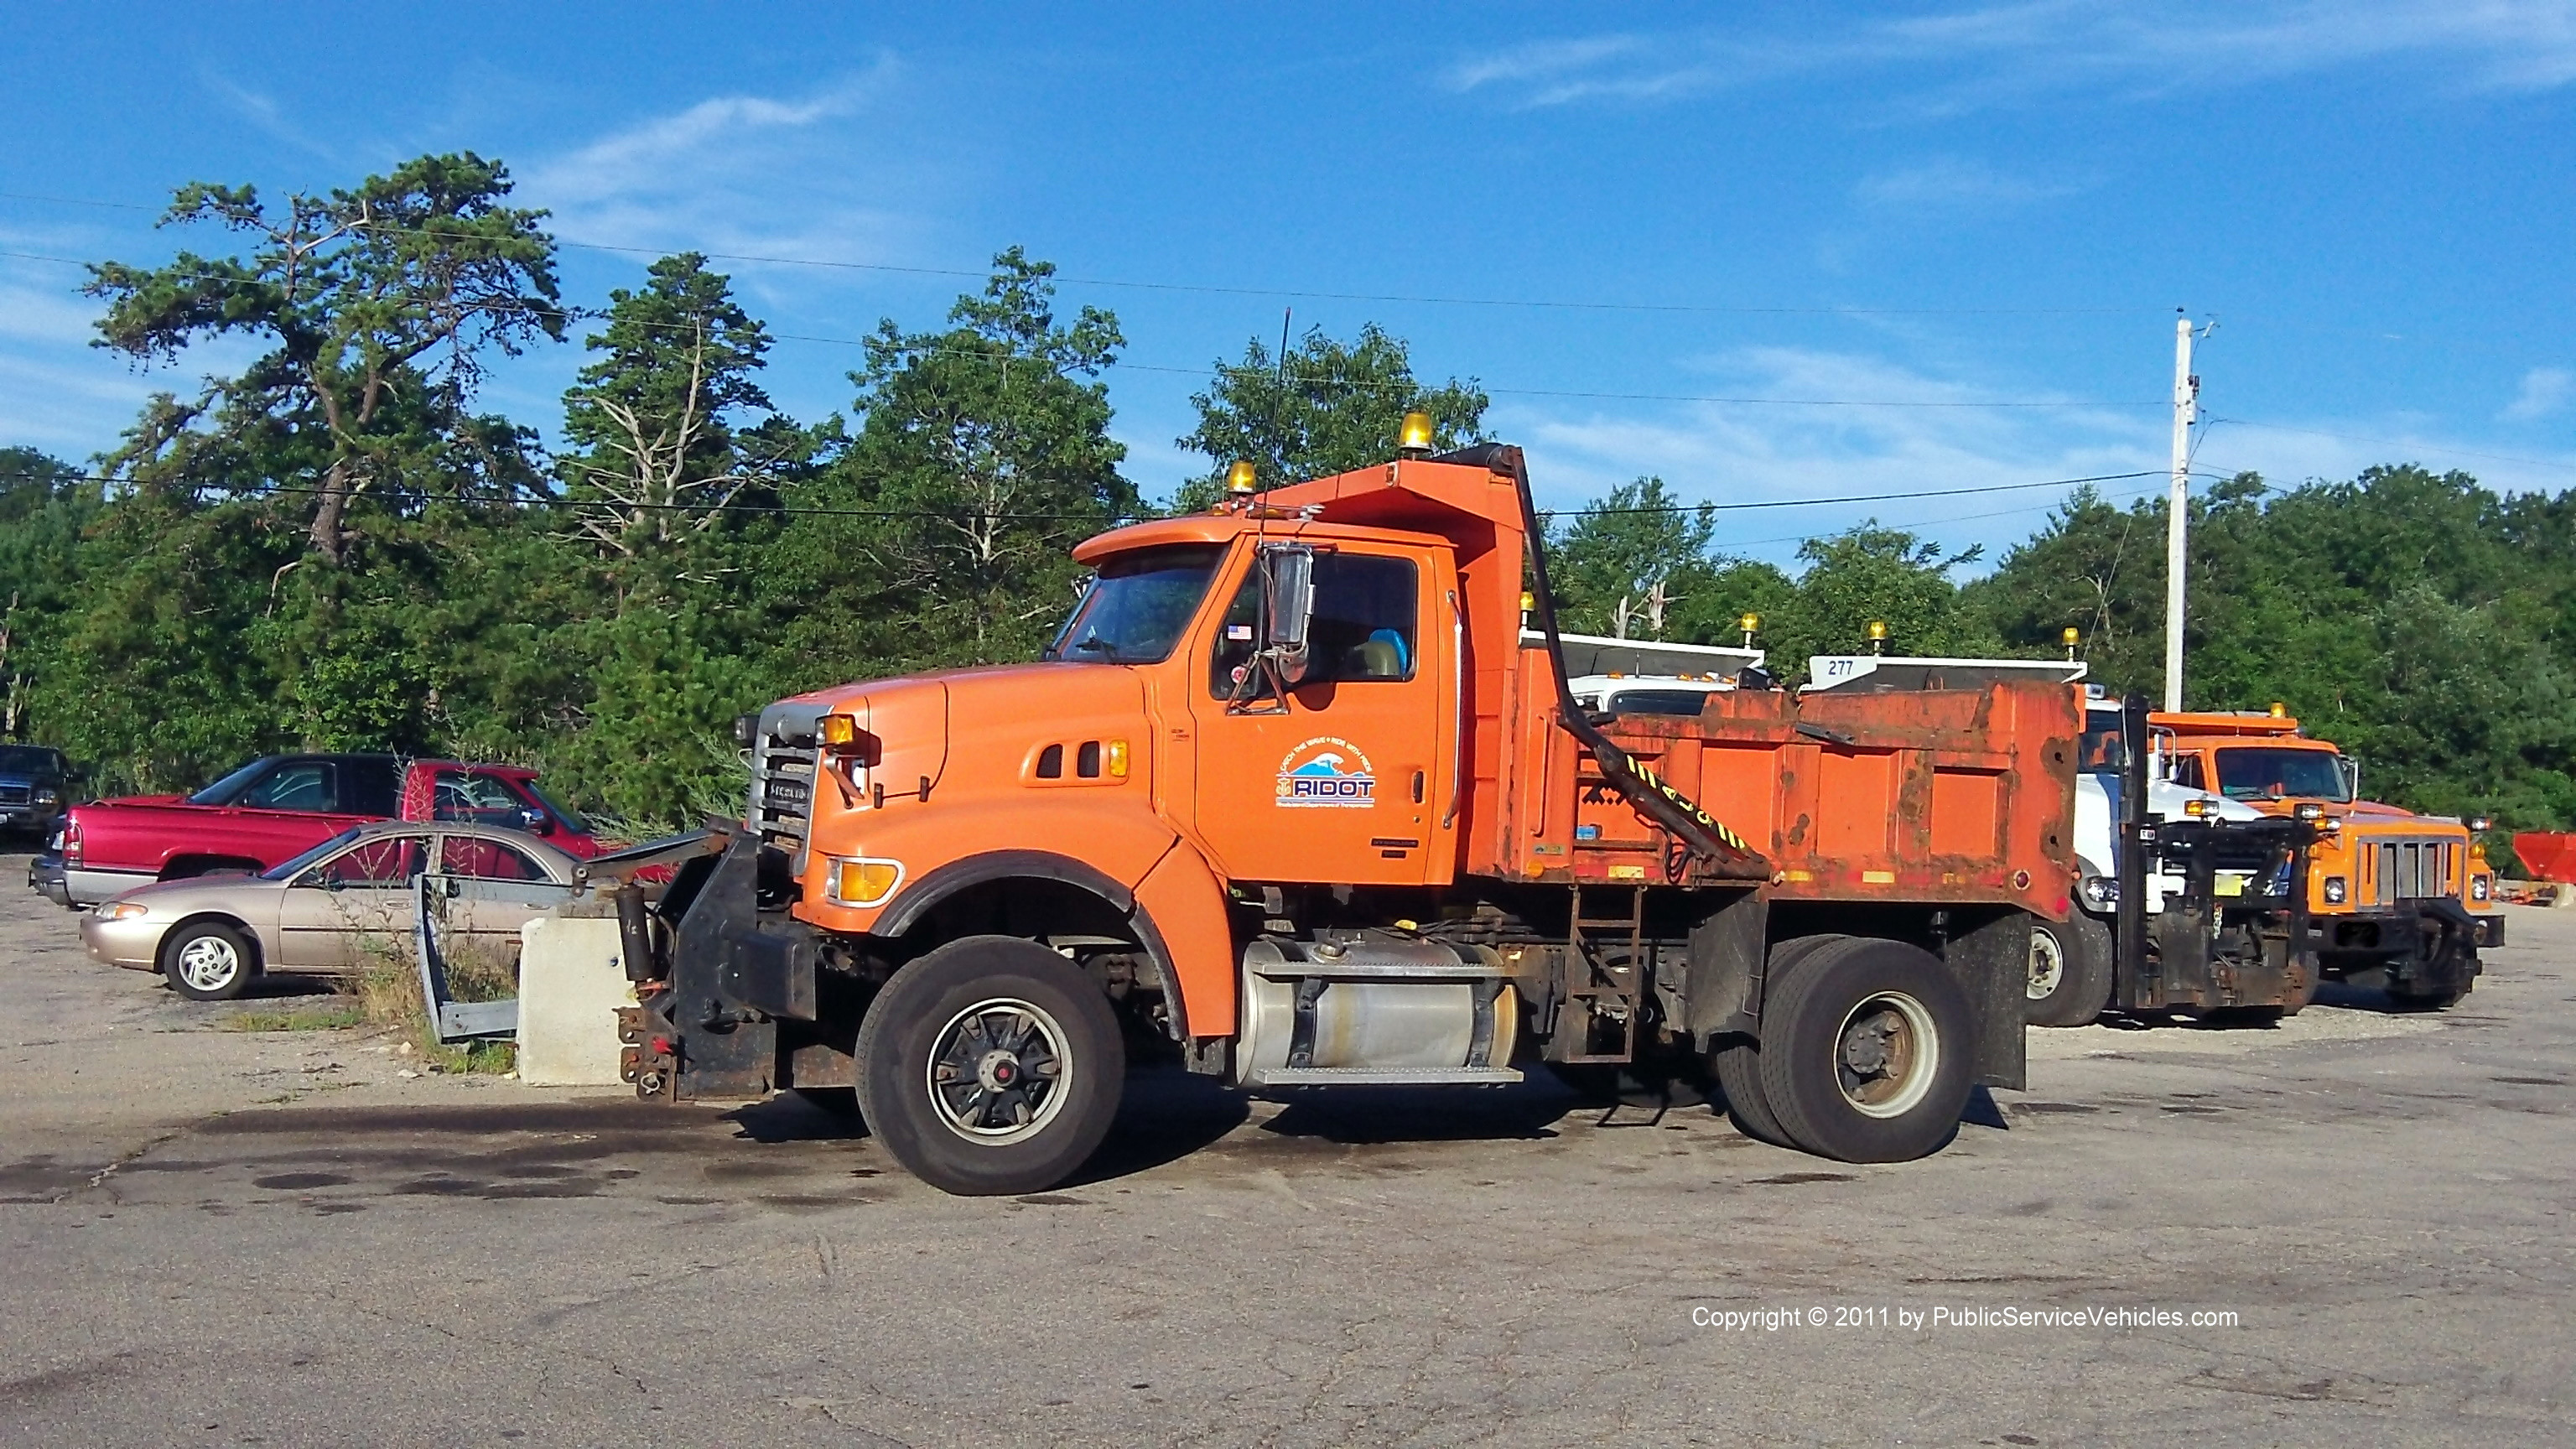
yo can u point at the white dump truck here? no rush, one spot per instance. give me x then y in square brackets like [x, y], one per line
[2218, 886]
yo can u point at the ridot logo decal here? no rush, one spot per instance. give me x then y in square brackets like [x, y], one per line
[1327, 772]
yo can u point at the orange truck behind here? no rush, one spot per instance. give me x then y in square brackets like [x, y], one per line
[2396, 900]
[1291, 800]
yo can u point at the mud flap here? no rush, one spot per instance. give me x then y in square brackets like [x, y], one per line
[1992, 962]
[1722, 977]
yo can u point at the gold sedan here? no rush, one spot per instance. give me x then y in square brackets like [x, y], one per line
[318, 913]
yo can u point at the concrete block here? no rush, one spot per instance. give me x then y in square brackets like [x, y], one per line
[571, 983]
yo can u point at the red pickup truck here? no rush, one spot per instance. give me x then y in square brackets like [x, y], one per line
[274, 809]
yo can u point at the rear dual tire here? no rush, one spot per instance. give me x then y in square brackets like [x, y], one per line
[1739, 1061]
[991, 1065]
[1864, 1054]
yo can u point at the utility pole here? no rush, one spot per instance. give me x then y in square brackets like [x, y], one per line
[2186, 396]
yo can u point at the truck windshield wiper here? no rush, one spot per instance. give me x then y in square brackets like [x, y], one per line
[1097, 645]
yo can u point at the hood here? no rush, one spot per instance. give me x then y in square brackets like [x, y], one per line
[139, 800]
[2169, 801]
[988, 719]
[197, 893]
[2095, 829]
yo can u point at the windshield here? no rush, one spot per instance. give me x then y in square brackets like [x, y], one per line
[1134, 612]
[315, 856]
[2251, 774]
[28, 760]
[2103, 751]
[570, 817]
[222, 791]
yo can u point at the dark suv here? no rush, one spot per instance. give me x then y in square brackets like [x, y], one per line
[35, 788]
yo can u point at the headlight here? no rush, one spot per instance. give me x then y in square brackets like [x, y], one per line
[123, 910]
[2334, 890]
[48, 797]
[2100, 892]
[2481, 887]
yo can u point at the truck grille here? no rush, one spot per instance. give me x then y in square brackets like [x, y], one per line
[783, 759]
[2408, 870]
[16, 794]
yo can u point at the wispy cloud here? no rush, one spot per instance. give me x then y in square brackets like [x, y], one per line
[51, 315]
[264, 113]
[1977, 55]
[2295, 451]
[1951, 182]
[745, 174]
[1914, 436]
[1729, 453]
[2545, 390]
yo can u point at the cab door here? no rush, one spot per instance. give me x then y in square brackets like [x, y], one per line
[1344, 778]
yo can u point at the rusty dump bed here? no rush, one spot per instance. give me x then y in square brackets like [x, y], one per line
[1959, 796]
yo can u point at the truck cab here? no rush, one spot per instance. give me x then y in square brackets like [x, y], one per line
[2400, 901]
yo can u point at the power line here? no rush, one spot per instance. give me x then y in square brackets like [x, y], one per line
[1313, 378]
[1876, 497]
[810, 510]
[1287, 292]
[2129, 494]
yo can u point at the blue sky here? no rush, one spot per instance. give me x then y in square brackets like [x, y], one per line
[1628, 206]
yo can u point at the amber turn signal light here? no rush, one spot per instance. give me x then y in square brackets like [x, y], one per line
[865, 882]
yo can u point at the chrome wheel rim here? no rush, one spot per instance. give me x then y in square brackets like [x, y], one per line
[2047, 963]
[1886, 1055]
[209, 963]
[999, 1071]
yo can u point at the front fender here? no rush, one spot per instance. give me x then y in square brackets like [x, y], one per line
[1118, 846]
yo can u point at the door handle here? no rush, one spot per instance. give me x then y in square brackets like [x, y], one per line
[1417, 787]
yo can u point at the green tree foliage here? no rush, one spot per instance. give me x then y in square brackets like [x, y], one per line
[1638, 563]
[670, 490]
[1885, 576]
[670, 428]
[377, 304]
[2417, 619]
[1616, 563]
[1326, 408]
[981, 456]
[44, 504]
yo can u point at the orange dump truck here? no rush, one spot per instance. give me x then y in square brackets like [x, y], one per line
[2396, 900]
[1290, 800]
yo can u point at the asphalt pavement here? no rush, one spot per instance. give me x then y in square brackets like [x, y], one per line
[223, 1237]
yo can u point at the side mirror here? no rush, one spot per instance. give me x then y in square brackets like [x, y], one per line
[536, 821]
[1287, 607]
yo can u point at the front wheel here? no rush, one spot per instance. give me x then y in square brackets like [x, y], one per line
[2070, 971]
[208, 962]
[1865, 1052]
[991, 1065]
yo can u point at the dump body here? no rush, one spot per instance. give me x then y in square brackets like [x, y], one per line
[1958, 795]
